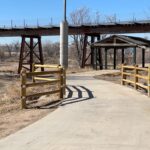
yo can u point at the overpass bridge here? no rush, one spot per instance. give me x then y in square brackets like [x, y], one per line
[89, 30]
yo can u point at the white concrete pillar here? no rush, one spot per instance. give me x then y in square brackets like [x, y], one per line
[64, 44]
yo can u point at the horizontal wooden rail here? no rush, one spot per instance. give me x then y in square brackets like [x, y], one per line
[47, 66]
[55, 76]
[143, 86]
[128, 74]
[132, 74]
[31, 74]
[128, 67]
[142, 77]
[46, 79]
[125, 80]
[142, 69]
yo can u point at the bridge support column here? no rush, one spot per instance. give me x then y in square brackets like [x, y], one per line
[64, 44]
[106, 53]
[115, 57]
[143, 57]
[122, 53]
[89, 56]
[31, 52]
[134, 55]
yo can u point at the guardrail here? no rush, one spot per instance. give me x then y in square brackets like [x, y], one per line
[57, 75]
[134, 74]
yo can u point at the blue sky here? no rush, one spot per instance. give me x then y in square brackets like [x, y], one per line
[46, 10]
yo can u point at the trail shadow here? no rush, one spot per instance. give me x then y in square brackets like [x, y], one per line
[75, 94]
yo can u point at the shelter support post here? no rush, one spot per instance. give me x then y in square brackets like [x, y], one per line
[100, 54]
[122, 56]
[92, 52]
[88, 56]
[134, 55]
[31, 53]
[100, 59]
[143, 57]
[115, 56]
[106, 50]
[84, 51]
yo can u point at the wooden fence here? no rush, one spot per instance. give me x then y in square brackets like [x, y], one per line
[137, 77]
[56, 75]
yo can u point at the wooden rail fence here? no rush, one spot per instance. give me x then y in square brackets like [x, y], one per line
[136, 76]
[56, 75]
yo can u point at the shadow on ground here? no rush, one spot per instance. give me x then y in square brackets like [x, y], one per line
[74, 94]
[77, 94]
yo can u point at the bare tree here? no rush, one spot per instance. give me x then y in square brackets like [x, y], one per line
[79, 17]
[51, 52]
[16, 47]
[111, 19]
[9, 48]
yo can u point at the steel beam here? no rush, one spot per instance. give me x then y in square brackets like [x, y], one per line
[28, 54]
[74, 30]
[143, 57]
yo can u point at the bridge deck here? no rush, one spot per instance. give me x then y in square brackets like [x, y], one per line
[108, 28]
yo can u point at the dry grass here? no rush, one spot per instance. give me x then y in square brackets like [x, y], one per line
[78, 70]
[12, 117]
[9, 67]
[112, 77]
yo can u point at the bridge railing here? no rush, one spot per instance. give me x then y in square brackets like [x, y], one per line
[55, 76]
[136, 76]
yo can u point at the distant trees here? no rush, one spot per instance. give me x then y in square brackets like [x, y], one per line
[11, 52]
[84, 16]
[79, 17]
[51, 52]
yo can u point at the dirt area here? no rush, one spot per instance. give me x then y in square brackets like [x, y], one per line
[112, 77]
[12, 117]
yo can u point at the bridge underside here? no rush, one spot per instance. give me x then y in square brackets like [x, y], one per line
[92, 31]
[109, 28]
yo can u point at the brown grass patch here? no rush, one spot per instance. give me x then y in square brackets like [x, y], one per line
[112, 77]
[12, 117]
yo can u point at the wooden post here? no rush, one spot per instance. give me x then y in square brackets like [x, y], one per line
[31, 52]
[122, 55]
[100, 54]
[122, 75]
[149, 81]
[135, 77]
[134, 56]
[23, 89]
[64, 81]
[115, 58]
[41, 52]
[95, 58]
[21, 55]
[92, 53]
[61, 82]
[33, 69]
[100, 58]
[84, 51]
[106, 58]
[143, 57]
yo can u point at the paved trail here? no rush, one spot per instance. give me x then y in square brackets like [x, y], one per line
[98, 115]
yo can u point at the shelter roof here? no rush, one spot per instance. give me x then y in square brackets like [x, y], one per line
[122, 41]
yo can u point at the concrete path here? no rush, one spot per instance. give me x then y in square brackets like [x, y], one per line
[98, 115]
